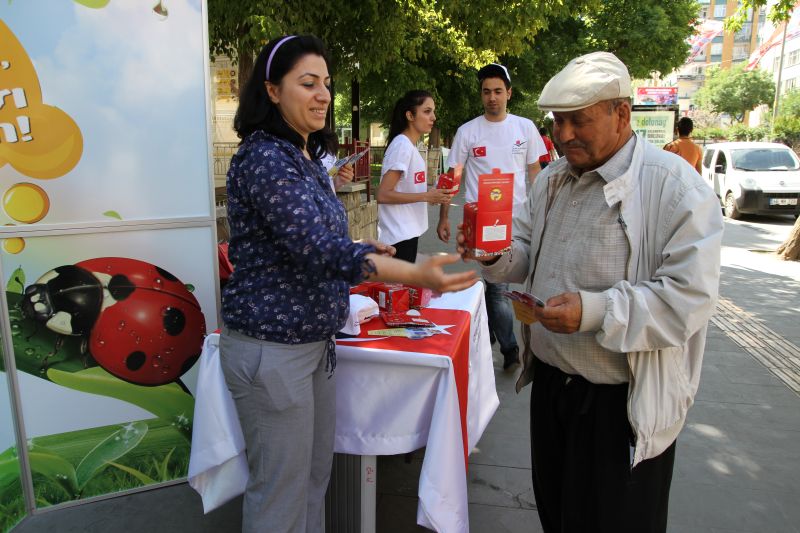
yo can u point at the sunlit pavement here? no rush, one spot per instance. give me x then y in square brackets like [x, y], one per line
[738, 459]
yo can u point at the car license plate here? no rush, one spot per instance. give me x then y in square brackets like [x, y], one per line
[783, 201]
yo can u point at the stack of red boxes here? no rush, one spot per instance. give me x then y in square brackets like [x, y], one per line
[420, 297]
[394, 297]
[487, 222]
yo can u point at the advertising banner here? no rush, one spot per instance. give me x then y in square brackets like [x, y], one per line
[656, 96]
[102, 112]
[106, 330]
[655, 126]
[107, 243]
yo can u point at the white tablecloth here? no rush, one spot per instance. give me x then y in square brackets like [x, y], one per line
[387, 403]
[396, 402]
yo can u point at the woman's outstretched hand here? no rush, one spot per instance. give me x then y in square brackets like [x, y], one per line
[432, 275]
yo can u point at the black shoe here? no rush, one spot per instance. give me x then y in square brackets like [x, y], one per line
[511, 358]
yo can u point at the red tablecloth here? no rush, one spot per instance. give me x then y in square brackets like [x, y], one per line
[453, 344]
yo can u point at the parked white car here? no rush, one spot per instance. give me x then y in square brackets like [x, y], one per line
[753, 177]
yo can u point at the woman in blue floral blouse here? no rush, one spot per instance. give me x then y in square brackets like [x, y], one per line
[289, 292]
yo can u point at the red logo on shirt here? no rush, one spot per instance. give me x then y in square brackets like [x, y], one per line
[419, 177]
[479, 151]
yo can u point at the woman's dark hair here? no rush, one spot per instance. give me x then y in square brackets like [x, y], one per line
[257, 112]
[409, 102]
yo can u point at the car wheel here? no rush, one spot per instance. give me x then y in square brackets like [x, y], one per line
[730, 207]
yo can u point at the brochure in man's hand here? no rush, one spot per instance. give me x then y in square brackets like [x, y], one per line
[524, 297]
[349, 160]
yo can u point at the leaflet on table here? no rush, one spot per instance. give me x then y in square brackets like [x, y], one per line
[349, 160]
[410, 333]
[398, 320]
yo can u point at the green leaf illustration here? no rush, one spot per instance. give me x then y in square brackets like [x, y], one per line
[9, 469]
[94, 4]
[143, 478]
[55, 468]
[112, 214]
[169, 401]
[16, 283]
[163, 472]
[113, 447]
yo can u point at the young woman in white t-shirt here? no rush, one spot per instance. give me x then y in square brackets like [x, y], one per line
[403, 192]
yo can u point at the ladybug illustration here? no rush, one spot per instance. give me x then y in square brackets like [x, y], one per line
[137, 320]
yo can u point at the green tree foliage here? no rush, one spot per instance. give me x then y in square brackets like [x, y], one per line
[790, 104]
[779, 12]
[647, 35]
[787, 123]
[735, 91]
[392, 46]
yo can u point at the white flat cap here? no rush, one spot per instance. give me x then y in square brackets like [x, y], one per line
[586, 80]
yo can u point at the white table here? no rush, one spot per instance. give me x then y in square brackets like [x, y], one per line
[392, 402]
[388, 403]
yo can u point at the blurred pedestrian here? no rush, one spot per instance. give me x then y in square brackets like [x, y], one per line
[684, 146]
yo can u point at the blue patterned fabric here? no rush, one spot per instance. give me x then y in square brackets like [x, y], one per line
[293, 260]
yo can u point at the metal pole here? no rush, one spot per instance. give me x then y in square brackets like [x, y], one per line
[355, 100]
[778, 83]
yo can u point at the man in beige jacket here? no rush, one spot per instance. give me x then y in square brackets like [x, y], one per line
[621, 240]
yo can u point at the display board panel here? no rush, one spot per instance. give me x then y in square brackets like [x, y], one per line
[102, 112]
[106, 330]
[12, 501]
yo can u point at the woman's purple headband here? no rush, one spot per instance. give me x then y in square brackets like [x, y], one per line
[275, 49]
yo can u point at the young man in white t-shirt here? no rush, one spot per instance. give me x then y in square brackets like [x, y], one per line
[496, 139]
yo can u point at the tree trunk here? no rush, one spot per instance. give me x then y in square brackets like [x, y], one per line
[790, 249]
[435, 139]
[245, 65]
[330, 119]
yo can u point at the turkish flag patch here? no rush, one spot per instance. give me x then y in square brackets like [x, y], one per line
[479, 151]
[419, 177]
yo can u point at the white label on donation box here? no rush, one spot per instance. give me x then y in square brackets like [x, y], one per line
[494, 233]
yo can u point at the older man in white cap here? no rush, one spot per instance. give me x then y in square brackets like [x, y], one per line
[621, 240]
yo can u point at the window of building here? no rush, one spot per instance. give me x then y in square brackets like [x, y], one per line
[716, 58]
[704, 12]
[716, 49]
[793, 58]
[789, 84]
[741, 51]
[745, 33]
[719, 10]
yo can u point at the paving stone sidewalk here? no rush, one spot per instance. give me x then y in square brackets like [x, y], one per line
[738, 459]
